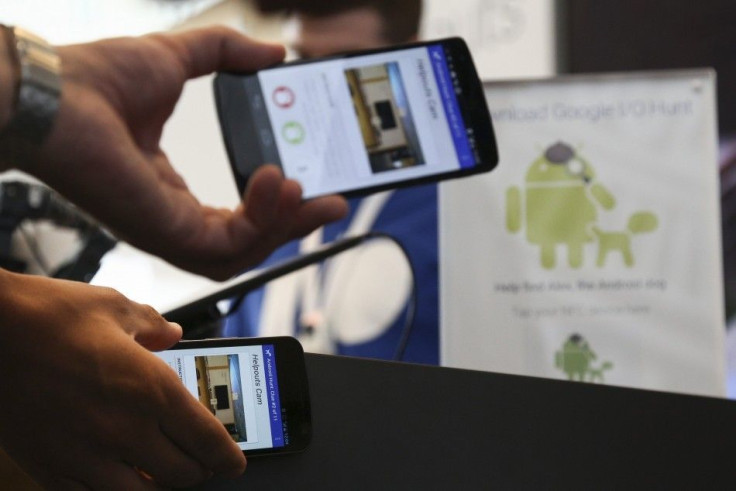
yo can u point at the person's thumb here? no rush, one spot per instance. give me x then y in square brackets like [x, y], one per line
[158, 335]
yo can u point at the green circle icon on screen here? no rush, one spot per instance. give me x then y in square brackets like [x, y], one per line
[293, 132]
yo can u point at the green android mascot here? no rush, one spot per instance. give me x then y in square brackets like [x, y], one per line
[575, 359]
[560, 206]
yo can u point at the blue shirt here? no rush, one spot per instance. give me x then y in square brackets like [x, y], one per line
[409, 216]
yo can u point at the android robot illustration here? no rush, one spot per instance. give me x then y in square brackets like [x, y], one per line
[560, 204]
[575, 359]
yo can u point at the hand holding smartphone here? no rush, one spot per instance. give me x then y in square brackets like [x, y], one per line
[361, 122]
[257, 388]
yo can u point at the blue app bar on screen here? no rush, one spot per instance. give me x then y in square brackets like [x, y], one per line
[274, 400]
[452, 108]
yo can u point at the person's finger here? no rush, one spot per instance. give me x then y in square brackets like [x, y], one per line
[191, 427]
[290, 199]
[206, 50]
[279, 228]
[166, 463]
[262, 196]
[100, 473]
[151, 330]
[161, 336]
[317, 212]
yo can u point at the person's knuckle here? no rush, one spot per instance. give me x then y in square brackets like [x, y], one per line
[110, 294]
[150, 314]
[223, 31]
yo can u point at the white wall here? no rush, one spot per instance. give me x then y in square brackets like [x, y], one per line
[74, 21]
[508, 38]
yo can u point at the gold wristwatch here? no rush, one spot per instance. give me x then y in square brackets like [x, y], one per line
[38, 89]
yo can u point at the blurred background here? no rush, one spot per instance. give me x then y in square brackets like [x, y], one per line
[510, 39]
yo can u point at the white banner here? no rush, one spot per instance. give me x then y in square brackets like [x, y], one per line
[592, 252]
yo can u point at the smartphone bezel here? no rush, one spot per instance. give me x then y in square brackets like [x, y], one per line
[293, 386]
[237, 124]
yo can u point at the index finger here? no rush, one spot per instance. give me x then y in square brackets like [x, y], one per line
[197, 432]
[206, 50]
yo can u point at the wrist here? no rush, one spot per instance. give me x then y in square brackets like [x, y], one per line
[8, 79]
[18, 300]
[32, 100]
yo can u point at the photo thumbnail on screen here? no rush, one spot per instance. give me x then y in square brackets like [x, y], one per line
[384, 117]
[220, 390]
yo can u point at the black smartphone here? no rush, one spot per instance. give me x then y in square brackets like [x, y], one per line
[257, 388]
[360, 122]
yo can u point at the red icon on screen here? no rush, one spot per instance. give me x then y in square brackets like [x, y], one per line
[283, 97]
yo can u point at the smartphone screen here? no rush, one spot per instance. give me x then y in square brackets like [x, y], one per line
[256, 387]
[361, 122]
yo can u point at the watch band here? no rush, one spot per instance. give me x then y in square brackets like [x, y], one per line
[38, 90]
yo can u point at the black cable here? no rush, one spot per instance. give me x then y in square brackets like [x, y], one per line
[411, 307]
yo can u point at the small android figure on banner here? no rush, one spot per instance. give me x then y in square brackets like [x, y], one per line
[575, 360]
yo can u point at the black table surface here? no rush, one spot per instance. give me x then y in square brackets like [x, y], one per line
[383, 425]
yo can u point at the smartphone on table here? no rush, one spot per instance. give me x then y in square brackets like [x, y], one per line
[360, 122]
[257, 388]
